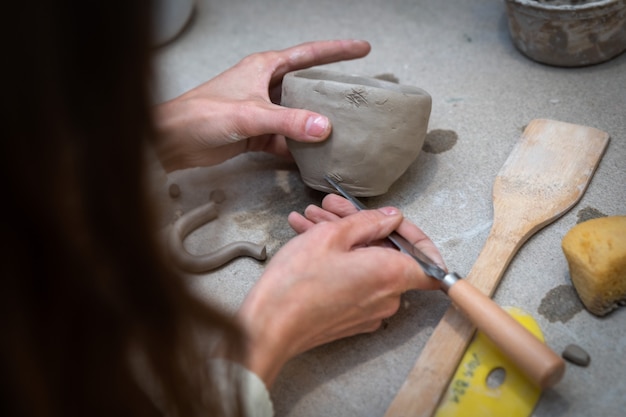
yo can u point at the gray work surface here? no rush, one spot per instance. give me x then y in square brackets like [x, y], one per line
[484, 92]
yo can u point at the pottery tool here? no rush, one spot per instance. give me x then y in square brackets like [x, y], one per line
[595, 251]
[544, 367]
[545, 175]
[487, 384]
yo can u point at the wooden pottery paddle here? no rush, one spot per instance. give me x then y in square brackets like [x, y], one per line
[545, 175]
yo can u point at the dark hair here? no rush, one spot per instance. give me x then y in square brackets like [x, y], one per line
[86, 292]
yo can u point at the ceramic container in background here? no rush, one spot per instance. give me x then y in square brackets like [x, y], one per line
[170, 17]
[568, 33]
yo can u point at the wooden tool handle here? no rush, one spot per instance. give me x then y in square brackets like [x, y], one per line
[533, 357]
[427, 381]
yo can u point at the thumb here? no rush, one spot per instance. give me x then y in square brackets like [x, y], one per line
[297, 124]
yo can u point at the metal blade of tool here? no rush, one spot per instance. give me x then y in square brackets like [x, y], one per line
[427, 264]
[545, 175]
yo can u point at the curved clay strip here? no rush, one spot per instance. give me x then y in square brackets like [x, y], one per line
[202, 263]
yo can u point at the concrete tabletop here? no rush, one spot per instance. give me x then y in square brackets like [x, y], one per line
[484, 93]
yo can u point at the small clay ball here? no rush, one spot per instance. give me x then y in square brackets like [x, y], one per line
[174, 191]
[576, 355]
[217, 196]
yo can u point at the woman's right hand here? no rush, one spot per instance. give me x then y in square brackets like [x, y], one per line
[330, 282]
[335, 207]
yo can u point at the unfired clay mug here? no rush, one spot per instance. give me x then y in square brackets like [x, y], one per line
[378, 129]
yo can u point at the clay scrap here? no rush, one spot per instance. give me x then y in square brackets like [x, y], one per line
[576, 355]
[174, 190]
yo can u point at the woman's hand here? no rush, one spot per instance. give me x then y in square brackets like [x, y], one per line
[335, 207]
[237, 111]
[328, 283]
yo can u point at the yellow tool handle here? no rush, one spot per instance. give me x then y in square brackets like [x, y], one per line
[534, 358]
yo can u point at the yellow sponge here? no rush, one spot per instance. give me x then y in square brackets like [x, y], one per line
[596, 254]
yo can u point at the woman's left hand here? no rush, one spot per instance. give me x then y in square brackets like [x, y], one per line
[237, 111]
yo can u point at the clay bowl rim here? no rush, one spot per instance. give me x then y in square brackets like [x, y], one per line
[340, 78]
[568, 10]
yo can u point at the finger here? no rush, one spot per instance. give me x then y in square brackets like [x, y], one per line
[418, 238]
[299, 223]
[402, 272]
[367, 226]
[274, 144]
[338, 205]
[312, 215]
[318, 53]
[365, 326]
[298, 124]
[301, 125]
[317, 214]
[342, 207]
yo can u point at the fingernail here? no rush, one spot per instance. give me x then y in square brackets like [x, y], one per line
[316, 126]
[389, 211]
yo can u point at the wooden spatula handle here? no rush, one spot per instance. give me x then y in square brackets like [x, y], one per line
[533, 357]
